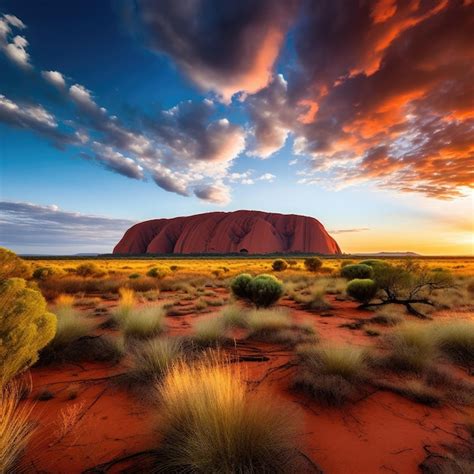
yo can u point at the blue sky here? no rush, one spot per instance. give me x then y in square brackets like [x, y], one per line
[138, 110]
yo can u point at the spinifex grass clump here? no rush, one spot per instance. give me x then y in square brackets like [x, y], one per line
[15, 426]
[152, 359]
[331, 374]
[26, 327]
[144, 322]
[412, 348]
[456, 340]
[276, 325]
[211, 423]
[210, 332]
[71, 326]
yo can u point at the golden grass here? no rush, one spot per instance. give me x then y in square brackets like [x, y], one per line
[211, 423]
[64, 300]
[206, 266]
[153, 358]
[16, 427]
[147, 321]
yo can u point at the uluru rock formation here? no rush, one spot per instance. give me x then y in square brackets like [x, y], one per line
[228, 232]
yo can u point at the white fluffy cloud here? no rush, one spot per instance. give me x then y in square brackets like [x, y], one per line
[55, 78]
[14, 46]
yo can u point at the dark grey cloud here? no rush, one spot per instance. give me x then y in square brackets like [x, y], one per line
[223, 46]
[26, 227]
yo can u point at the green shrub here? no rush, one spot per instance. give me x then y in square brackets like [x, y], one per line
[156, 273]
[373, 262]
[265, 290]
[362, 290]
[279, 265]
[12, 266]
[240, 285]
[262, 290]
[313, 264]
[357, 271]
[87, 269]
[134, 276]
[25, 327]
[43, 273]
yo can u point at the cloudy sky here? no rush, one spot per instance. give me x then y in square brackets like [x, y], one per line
[359, 113]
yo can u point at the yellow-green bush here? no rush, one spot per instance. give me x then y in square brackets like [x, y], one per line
[12, 266]
[26, 327]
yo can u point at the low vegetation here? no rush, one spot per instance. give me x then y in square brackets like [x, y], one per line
[152, 359]
[331, 374]
[359, 271]
[211, 423]
[262, 290]
[16, 427]
[26, 326]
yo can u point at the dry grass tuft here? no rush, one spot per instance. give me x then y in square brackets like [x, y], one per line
[16, 428]
[412, 348]
[210, 332]
[211, 423]
[331, 374]
[144, 322]
[153, 358]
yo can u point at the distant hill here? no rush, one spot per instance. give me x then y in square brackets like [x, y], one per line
[388, 254]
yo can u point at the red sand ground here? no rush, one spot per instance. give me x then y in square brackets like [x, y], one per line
[383, 432]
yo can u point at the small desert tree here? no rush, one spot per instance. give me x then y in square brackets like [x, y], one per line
[26, 327]
[409, 283]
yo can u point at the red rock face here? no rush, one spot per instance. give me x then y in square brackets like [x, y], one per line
[226, 232]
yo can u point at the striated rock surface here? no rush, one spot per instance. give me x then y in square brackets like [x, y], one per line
[226, 232]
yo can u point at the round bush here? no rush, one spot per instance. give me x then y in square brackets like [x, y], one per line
[12, 266]
[240, 285]
[313, 264]
[373, 262]
[357, 270]
[43, 273]
[87, 269]
[265, 290]
[279, 265]
[156, 273]
[26, 327]
[362, 290]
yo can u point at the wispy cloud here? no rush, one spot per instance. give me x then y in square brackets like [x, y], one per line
[26, 226]
[345, 231]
